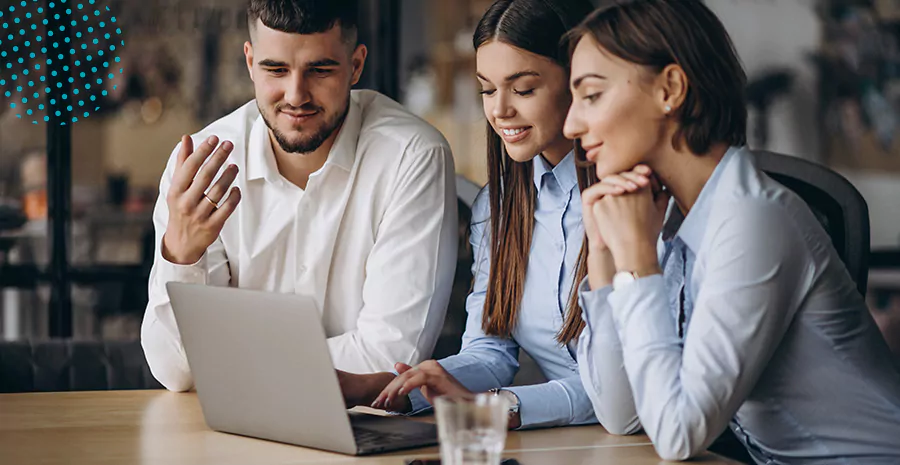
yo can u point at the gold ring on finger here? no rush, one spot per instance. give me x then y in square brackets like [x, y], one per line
[211, 201]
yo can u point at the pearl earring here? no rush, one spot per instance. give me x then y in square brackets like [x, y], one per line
[668, 109]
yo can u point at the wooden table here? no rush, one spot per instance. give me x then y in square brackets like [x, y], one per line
[160, 427]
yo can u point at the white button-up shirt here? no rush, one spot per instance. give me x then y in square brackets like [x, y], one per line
[372, 239]
[779, 344]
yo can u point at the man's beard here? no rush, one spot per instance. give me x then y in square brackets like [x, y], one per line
[310, 143]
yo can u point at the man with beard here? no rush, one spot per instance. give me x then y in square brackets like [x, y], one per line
[311, 189]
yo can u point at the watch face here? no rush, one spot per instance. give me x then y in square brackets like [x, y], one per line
[513, 400]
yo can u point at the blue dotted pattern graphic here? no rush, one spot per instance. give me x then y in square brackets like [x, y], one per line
[88, 45]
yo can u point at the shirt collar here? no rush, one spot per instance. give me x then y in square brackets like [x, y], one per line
[564, 172]
[343, 152]
[691, 229]
[261, 162]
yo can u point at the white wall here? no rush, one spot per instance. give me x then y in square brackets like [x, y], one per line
[782, 33]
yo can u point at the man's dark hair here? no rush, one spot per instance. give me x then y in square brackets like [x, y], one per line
[306, 16]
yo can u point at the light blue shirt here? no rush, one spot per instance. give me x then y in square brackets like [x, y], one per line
[779, 344]
[487, 362]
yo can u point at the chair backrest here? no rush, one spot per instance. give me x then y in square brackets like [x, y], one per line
[833, 200]
[69, 365]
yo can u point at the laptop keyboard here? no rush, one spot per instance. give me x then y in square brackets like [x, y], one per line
[367, 438]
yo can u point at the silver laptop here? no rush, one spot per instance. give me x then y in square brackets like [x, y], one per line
[262, 368]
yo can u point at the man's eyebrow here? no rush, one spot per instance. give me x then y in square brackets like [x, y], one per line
[323, 63]
[270, 63]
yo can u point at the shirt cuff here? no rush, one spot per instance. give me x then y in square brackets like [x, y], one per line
[545, 404]
[195, 273]
[643, 302]
[417, 403]
[593, 303]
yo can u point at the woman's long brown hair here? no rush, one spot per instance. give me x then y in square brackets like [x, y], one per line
[536, 26]
[574, 322]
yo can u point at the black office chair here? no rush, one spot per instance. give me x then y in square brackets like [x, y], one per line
[840, 208]
[69, 365]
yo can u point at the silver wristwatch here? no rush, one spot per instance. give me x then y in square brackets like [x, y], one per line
[510, 396]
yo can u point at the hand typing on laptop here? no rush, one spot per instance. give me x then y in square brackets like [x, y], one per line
[391, 392]
[363, 389]
[429, 377]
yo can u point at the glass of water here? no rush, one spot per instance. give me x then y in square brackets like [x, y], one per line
[472, 431]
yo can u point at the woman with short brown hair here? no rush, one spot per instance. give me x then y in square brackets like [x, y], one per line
[712, 287]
